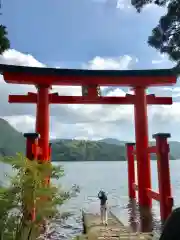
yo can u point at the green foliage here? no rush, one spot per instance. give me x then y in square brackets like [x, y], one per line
[139, 4]
[165, 36]
[4, 41]
[26, 190]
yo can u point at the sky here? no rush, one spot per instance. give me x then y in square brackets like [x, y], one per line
[92, 34]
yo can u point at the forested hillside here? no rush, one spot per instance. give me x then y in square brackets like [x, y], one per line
[76, 150]
[11, 141]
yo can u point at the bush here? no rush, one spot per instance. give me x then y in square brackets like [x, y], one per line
[25, 190]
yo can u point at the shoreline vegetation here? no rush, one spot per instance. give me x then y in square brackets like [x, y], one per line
[28, 204]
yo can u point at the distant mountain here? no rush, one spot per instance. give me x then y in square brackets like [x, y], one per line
[11, 141]
[111, 141]
[80, 150]
[175, 149]
[108, 149]
[174, 146]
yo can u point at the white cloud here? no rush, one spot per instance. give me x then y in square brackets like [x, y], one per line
[100, 63]
[88, 121]
[161, 59]
[173, 92]
[116, 93]
[12, 56]
[122, 4]
[22, 123]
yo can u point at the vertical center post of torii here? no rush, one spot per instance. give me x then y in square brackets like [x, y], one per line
[143, 159]
[42, 117]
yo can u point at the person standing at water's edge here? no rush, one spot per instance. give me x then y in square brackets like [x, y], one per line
[103, 206]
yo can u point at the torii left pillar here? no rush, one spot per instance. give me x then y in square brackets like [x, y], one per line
[31, 139]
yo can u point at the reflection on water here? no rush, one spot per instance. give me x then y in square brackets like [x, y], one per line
[134, 222]
[142, 219]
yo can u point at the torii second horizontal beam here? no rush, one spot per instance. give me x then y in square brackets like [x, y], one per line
[55, 99]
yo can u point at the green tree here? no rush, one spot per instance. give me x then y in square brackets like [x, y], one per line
[165, 37]
[26, 190]
[4, 41]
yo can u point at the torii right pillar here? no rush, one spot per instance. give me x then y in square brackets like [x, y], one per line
[42, 114]
[143, 159]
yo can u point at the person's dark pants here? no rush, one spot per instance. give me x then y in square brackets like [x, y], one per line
[171, 229]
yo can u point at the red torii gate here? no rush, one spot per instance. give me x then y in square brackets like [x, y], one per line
[139, 80]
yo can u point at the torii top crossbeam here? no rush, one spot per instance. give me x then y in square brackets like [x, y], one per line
[58, 76]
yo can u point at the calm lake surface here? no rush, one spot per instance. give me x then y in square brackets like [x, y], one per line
[112, 177]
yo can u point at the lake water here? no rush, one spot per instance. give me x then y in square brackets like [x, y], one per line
[112, 177]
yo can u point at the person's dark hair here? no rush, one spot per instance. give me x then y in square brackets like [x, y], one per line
[171, 230]
[102, 194]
